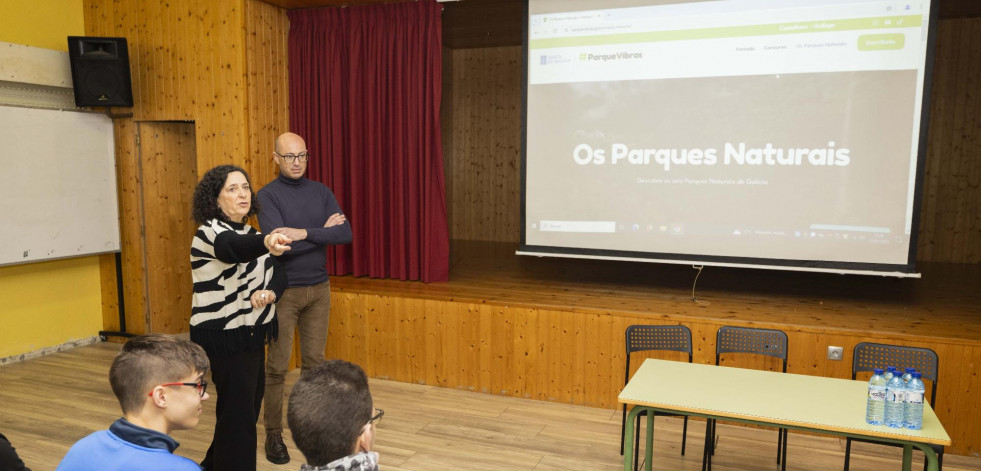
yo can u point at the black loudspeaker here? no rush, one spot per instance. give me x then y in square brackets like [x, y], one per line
[100, 71]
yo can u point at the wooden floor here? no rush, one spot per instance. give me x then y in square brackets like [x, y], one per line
[48, 403]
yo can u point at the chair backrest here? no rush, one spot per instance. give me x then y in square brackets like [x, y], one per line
[869, 356]
[767, 342]
[656, 337]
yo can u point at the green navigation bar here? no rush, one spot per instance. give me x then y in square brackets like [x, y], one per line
[823, 26]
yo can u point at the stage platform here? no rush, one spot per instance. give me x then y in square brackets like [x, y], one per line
[552, 329]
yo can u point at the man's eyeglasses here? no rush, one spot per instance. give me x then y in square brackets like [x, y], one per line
[202, 387]
[375, 418]
[292, 157]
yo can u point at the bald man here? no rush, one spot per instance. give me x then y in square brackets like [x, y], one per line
[307, 212]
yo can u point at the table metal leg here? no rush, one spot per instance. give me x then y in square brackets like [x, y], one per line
[628, 441]
[783, 453]
[649, 452]
[932, 461]
[907, 457]
[709, 442]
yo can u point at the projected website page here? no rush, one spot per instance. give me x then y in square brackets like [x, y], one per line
[766, 129]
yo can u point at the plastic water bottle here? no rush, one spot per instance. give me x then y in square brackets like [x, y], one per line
[890, 372]
[914, 402]
[875, 410]
[908, 375]
[895, 402]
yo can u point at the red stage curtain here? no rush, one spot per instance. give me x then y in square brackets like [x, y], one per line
[365, 91]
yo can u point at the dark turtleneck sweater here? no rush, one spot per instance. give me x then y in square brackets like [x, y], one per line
[302, 204]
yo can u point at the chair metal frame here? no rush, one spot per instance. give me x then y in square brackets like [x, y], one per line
[641, 338]
[768, 342]
[868, 356]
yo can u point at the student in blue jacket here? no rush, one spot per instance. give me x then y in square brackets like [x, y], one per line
[159, 382]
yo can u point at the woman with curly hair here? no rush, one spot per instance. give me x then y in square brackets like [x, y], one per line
[233, 316]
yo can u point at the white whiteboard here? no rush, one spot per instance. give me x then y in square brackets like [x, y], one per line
[57, 185]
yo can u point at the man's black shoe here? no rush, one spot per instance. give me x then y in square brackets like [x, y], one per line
[276, 451]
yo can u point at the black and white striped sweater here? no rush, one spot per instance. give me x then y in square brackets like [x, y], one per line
[228, 263]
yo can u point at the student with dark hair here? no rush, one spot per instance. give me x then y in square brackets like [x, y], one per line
[233, 314]
[332, 418]
[9, 461]
[159, 382]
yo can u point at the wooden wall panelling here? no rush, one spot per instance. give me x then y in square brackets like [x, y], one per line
[969, 181]
[169, 172]
[486, 120]
[446, 125]
[172, 13]
[267, 85]
[152, 24]
[483, 23]
[960, 9]
[435, 348]
[415, 363]
[225, 120]
[162, 55]
[497, 348]
[413, 328]
[469, 353]
[109, 292]
[531, 329]
[958, 393]
[343, 318]
[384, 328]
[175, 52]
[199, 84]
[602, 356]
[559, 342]
[146, 35]
[577, 356]
[441, 360]
[950, 229]
[130, 228]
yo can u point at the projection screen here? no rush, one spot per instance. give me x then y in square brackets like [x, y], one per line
[784, 134]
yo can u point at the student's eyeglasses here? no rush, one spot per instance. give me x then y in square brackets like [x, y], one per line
[202, 387]
[376, 418]
[291, 157]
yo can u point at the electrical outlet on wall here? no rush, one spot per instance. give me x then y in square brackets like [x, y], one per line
[835, 353]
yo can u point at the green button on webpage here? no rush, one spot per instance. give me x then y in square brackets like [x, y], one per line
[881, 42]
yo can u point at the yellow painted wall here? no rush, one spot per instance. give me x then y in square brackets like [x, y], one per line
[47, 303]
[41, 23]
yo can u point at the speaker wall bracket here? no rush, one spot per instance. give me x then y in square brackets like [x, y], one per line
[112, 115]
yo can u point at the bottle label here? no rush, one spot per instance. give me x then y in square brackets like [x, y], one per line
[877, 394]
[895, 396]
[914, 397]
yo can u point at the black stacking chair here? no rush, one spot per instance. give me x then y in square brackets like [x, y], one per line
[641, 338]
[767, 342]
[869, 356]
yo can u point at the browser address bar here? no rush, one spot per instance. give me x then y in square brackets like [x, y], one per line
[577, 226]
